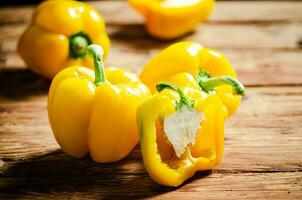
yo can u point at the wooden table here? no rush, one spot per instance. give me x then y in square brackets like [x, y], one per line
[263, 142]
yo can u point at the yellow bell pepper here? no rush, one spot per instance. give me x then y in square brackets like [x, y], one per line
[58, 35]
[169, 19]
[95, 112]
[215, 74]
[204, 152]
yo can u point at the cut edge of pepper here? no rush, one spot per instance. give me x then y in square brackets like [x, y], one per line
[171, 152]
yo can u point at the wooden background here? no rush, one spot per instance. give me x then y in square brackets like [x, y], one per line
[263, 142]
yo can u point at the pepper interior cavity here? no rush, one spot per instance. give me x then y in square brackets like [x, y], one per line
[182, 127]
[175, 133]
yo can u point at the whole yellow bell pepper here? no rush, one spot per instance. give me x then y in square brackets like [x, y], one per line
[212, 70]
[95, 112]
[58, 36]
[160, 158]
[169, 19]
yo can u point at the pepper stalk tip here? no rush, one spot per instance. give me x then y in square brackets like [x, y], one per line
[208, 83]
[97, 52]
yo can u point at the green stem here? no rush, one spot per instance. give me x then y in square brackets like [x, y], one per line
[184, 100]
[208, 83]
[78, 44]
[97, 52]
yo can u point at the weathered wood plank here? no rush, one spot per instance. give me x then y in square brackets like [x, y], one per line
[265, 135]
[235, 36]
[250, 36]
[101, 185]
[224, 12]
[232, 11]
[254, 67]
[267, 126]
[273, 60]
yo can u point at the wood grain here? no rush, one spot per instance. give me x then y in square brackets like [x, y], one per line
[262, 158]
[25, 131]
[204, 185]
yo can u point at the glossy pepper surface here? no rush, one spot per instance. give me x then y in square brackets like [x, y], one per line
[58, 36]
[212, 70]
[95, 112]
[159, 156]
[168, 19]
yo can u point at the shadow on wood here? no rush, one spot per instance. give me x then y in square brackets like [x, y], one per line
[136, 36]
[55, 172]
[18, 83]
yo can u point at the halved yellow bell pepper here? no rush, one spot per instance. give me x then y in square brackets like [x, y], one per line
[95, 112]
[168, 19]
[212, 70]
[58, 36]
[159, 156]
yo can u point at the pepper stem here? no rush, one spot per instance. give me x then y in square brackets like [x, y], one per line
[184, 100]
[97, 52]
[78, 44]
[208, 83]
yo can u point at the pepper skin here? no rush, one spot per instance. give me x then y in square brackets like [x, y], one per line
[158, 155]
[58, 35]
[215, 74]
[167, 19]
[95, 112]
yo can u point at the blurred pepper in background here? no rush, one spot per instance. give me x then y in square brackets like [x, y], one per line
[59, 34]
[167, 19]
